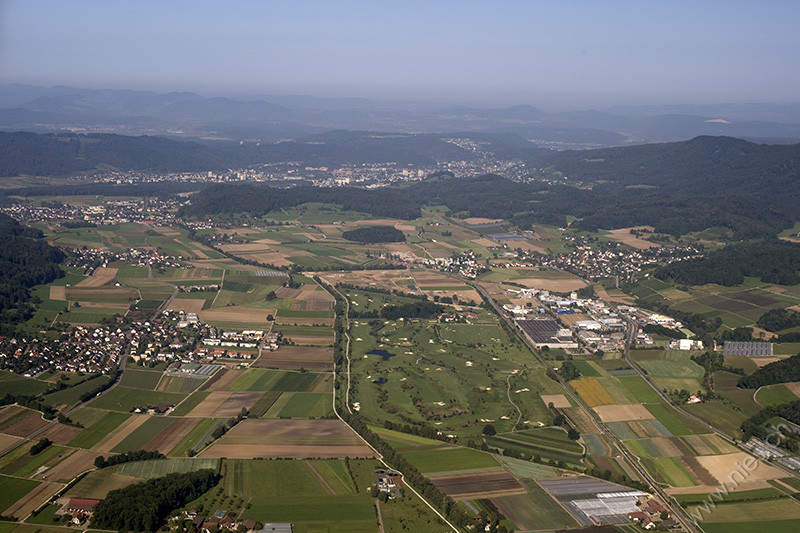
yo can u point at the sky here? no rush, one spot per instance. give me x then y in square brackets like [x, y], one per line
[546, 53]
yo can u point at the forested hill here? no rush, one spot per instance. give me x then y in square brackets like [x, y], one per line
[703, 165]
[60, 154]
[25, 260]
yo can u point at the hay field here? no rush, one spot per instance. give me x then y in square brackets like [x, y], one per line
[187, 305]
[289, 439]
[559, 401]
[99, 277]
[721, 467]
[623, 413]
[58, 292]
[238, 314]
[296, 357]
[225, 403]
[624, 236]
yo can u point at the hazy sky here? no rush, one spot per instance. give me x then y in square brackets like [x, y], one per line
[549, 53]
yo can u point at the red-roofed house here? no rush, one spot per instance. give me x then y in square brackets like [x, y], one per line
[82, 504]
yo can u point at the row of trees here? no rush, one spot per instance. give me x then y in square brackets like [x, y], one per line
[127, 457]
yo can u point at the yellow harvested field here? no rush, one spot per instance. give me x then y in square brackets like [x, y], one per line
[225, 403]
[624, 236]
[100, 277]
[623, 413]
[555, 285]
[592, 392]
[721, 467]
[289, 438]
[187, 305]
[559, 401]
[236, 313]
[123, 431]
[58, 292]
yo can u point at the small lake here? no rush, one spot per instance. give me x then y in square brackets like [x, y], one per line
[383, 353]
[379, 381]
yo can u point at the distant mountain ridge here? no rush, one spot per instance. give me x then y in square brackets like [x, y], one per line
[274, 118]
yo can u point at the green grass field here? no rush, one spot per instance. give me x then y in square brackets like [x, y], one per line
[430, 461]
[307, 405]
[140, 379]
[72, 395]
[14, 489]
[536, 509]
[162, 467]
[125, 399]
[264, 403]
[193, 438]
[405, 441]
[189, 403]
[304, 493]
[15, 384]
[719, 415]
[671, 471]
[97, 431]
[774, 395]
[144, 434]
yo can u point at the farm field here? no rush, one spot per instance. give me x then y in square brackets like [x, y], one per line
[535, 509]
[288, 439]
[450, 459]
